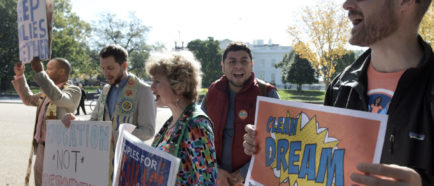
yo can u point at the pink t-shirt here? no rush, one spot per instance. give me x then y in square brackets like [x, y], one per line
[381, 87]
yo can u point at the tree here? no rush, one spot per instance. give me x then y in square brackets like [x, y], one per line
[8, 42]
[320, 36]
[209, 54]
[130, 34]
[70, 36]
[296, 70]
[343, 62]
[427, 25]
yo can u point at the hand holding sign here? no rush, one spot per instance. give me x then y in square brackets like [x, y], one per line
[19, 69]
[66, 120]
[383, 174]
[37, 65]
[249, 142]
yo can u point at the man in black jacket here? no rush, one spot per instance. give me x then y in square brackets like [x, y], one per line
[83, 98]
[394, 77]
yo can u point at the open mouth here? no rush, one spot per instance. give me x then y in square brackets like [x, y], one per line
[357, 21]
[157, 97]
[238, 76]
[355, 17]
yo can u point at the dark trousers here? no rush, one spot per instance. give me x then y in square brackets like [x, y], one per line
[82, 108]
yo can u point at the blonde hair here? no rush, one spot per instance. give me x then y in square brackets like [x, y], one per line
[181, 69]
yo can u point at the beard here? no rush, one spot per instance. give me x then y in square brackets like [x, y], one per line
[118, 78]
[375, 27]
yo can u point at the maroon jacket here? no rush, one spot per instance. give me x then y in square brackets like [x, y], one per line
[217, 103]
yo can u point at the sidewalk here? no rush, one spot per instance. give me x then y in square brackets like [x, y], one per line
[8, 99]
[17, 100]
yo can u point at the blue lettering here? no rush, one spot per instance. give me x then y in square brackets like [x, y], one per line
[35, 48]
[270, 151]
[282, 148]
[334, 166]
[25, 37]
[80, 129]
[34, 29]
[270, 123]
[104, 138]
[42, 28]
[72, 136]
[26, 10]
[307, 166]
[94, 137]
[279, 125]
[285, 129]
[295, 146]
[34, 7]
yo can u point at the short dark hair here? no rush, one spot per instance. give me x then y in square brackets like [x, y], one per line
[63, 63]
[117, 51]
[236, 46]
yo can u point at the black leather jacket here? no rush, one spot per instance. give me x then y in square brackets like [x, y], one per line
[409, 134]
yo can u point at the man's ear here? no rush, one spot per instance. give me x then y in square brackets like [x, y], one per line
[405, 5]
[125, 65]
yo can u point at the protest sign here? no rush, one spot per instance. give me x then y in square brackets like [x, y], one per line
[307, 144]
[141, 164]
[33, 29]
[78, 155]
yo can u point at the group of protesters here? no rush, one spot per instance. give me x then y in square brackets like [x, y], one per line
[398, 60]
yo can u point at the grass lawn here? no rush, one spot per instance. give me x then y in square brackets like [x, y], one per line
[316, 96]
[305, 96]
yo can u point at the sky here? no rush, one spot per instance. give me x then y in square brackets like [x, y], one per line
[186, 20]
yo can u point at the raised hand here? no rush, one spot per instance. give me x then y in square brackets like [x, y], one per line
[19, 69]
[37, 65]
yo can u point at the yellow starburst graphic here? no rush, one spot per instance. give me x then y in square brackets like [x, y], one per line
[301, 153]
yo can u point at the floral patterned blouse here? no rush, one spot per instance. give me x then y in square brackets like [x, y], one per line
[194, 133]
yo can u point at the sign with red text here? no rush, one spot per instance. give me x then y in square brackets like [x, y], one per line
[34, 29]
[78, 155]
[307, 144]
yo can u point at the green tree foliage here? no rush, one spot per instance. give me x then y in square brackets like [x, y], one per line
[209, 54]
[130, 34]
[343, 62]
[296, 70]
[320, 36]
[8, 42]
[70, 36]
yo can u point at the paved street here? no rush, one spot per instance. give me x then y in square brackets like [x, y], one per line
[16, 122]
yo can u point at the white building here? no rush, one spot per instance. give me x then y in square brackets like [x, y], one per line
[265, 56]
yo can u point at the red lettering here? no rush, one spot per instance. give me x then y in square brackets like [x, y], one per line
[58, 180]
